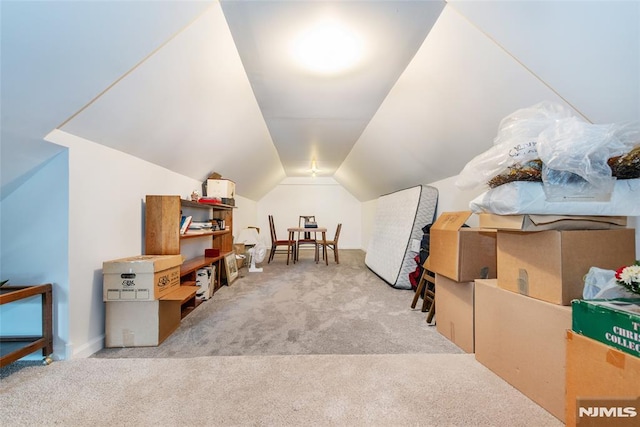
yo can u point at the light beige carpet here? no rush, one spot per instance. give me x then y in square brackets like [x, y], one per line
[311, 390]
[296, 345]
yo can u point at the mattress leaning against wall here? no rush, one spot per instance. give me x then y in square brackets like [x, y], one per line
[399, 218]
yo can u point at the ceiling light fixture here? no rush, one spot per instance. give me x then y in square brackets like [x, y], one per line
[314, 168]
[327, 48]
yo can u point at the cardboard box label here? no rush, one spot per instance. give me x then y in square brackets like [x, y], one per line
[612, 322]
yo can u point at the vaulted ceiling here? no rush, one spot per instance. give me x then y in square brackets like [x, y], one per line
[207, 86]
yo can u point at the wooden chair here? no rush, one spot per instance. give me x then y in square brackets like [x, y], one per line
[428, 284]
[275, 243]
[306, 239]
[332, 244]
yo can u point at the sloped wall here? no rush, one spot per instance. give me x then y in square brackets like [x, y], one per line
[34, 250]
[482, 61]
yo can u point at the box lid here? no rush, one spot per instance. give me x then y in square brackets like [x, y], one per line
[141, 264]
[550, 222]
[450, 221]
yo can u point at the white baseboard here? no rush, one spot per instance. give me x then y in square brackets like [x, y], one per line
[87, 349]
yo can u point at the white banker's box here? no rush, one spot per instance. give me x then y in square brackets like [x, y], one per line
[222, 188]
[140, 278]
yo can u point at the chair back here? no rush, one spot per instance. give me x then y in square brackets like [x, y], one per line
[272, 227]
[304, 219]
[335, 239]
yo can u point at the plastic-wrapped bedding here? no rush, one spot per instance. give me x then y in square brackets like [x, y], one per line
[522, 197]
[399, 218]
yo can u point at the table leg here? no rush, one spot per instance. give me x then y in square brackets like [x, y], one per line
[315, 237]
[324, 247]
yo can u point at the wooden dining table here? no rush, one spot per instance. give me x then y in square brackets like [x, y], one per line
[293, 230]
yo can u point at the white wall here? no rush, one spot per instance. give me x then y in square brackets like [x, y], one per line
[245, 215]
[106, 221]
[323, 197]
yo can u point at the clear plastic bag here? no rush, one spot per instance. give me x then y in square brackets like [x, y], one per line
[574, 156]
[601, 284]
[515, 144]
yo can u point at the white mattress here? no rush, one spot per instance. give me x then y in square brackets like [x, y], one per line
[529, 198]
[400, 217]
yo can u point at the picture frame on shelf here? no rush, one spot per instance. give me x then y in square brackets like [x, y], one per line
[231, 267]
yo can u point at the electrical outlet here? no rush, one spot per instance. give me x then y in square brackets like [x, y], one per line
[415, 245]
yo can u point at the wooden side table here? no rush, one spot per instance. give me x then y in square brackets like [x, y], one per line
[13, 348]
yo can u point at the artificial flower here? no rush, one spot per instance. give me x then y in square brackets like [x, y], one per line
[629, 277]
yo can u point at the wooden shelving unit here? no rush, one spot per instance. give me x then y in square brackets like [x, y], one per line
[162, 232]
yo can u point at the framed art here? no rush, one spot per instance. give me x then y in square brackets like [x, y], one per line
[230, 267]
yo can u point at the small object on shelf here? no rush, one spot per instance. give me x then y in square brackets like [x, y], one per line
[220, 188]
[185, 222]
[212, 253]
[210, 200]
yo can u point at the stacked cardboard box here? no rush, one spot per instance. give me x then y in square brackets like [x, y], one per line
[522, 340]
[550, 265]
[602, 384]
[459, 255]
[521, 318]
[143, 299]
[603, 363]
[140, 278]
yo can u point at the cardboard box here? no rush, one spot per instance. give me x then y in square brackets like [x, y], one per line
[522, 340]
[599, 376]
[612, 322]
[455, 311]
[222, 188]
[140, 278]
[550, 222]
[240, 248]
[461, 254]
[551, 265]
[140, 324]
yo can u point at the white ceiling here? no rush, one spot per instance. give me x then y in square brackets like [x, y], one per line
[315, 115]
[201, 86]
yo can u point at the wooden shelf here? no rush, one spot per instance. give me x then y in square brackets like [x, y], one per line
[191, 265]
[192, 204]
[186, 295]
[196, 234]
